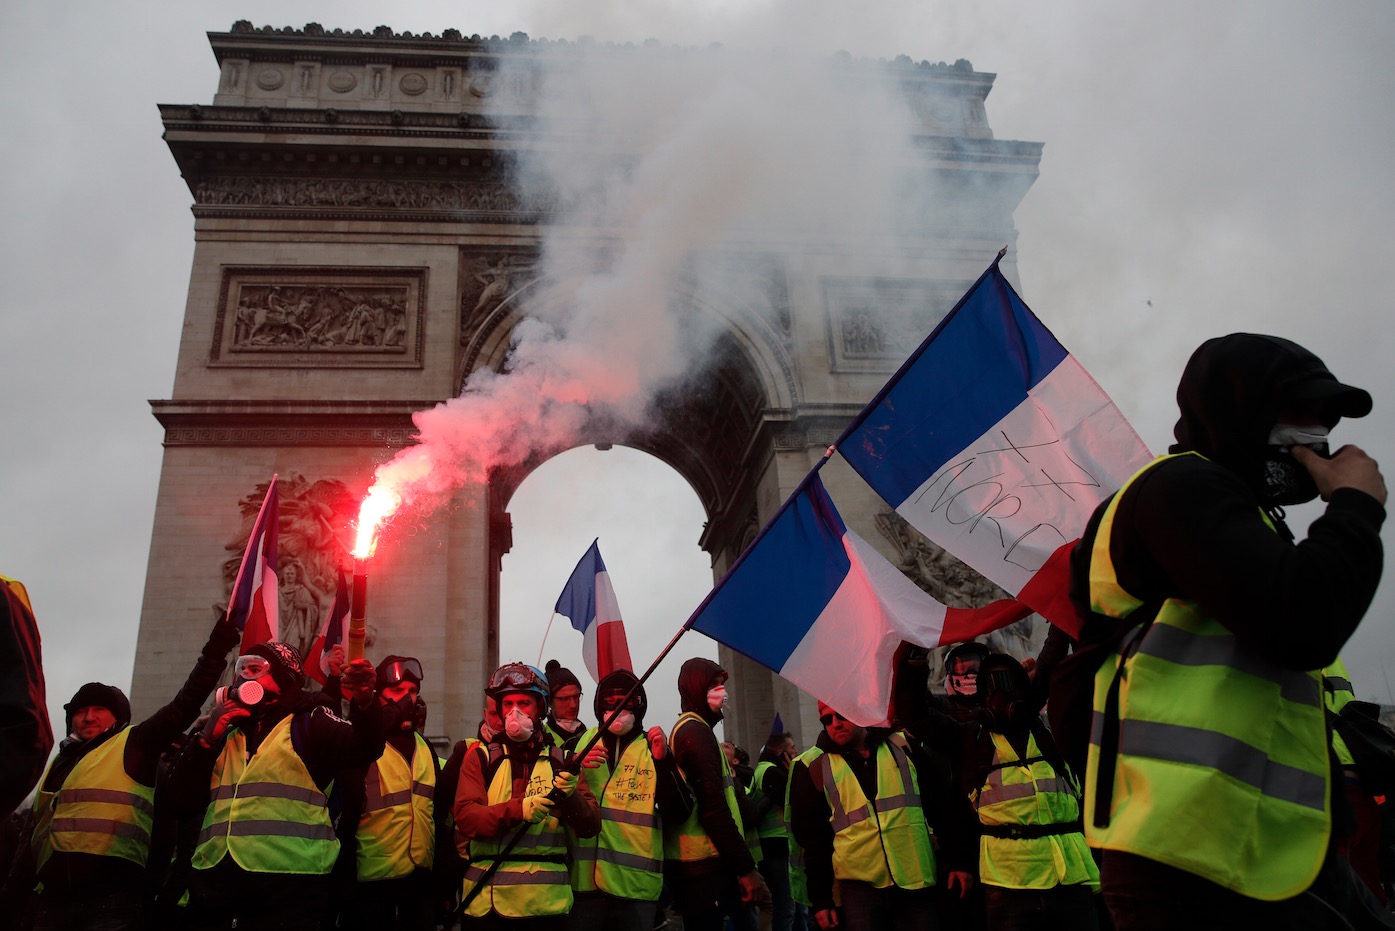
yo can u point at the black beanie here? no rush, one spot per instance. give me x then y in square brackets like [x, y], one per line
[558, 676]
[103, 696]
[286, 667]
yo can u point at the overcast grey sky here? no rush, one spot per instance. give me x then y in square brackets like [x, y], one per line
[1208, 168]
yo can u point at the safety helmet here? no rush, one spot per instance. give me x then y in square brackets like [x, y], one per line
[518, 677]
[963, 683]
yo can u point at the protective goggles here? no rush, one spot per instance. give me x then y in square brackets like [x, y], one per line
[399, 670]
[516, 675]
[827, 719]
[253, 666]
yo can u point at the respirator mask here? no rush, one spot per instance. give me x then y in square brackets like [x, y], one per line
[717, 698]
[1285, 480]
[246, 690]
[518, 727]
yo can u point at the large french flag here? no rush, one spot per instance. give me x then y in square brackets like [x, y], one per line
[256, 599]
[331, 634]
[588, 601]
[995, 443]
[816, 603]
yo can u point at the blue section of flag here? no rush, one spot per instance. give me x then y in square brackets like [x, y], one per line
[778, 727]
[257, 560]
[975, 368]
[780, 586]
[577, 602]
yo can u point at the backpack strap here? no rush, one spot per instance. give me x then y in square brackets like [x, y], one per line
[1109, 724]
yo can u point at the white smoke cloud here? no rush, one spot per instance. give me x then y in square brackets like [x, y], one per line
[656, 162]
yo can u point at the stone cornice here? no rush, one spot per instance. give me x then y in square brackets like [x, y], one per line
[288, 423]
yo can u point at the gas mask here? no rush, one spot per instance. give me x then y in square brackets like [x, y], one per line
[1285, 481]
[246, 688]
[518, 727]
[717, 698]
[962, 678]
[622, 723]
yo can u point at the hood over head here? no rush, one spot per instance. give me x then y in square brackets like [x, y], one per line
[1233, 389]
[620, 680]
[695, 678]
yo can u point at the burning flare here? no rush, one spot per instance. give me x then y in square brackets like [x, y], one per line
[380, 504]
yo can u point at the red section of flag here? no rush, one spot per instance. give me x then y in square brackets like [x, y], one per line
[1048, 593]
[331, 633]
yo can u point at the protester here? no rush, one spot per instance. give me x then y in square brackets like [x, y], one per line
[1361, 844]
[617, 876]
[25, 734]
[858, 812]
[453, 851]
[506, 809]
[95, 808]
[564, 705]
[270, 751]
[390, 804]
[767, 792]
[961, 699]
[709, 867]
[1208, 786]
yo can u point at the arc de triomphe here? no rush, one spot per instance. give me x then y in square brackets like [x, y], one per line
[362, 248]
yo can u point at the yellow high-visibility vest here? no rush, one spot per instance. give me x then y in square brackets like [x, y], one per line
[1039, 810]
[1221, 768]
[266, 812]
[883, 841]
[688, 841]
[397, 830]
[532, 880]
[98, 809]
[627, 858]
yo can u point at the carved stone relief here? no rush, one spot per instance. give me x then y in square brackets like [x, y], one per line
[300, 317]
[487, 280]
[478, 196]
[954, 584]
[312, 543]
[875, 323]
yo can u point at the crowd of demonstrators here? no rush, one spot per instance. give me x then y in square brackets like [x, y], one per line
[1206, 764]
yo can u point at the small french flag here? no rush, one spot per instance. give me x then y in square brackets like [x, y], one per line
[255, 605]
[588, 601]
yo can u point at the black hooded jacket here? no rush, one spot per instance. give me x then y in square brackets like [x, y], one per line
[671, 794]
[1192, 527]
[699, 755]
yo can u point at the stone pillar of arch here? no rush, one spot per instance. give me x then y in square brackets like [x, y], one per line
[360, 250]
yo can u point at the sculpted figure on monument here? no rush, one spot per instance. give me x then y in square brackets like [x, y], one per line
[320, 317]
[493, 282]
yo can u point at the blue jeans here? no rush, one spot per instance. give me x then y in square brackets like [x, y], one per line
[776, 870]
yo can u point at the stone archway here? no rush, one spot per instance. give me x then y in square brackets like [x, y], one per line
[362, 246]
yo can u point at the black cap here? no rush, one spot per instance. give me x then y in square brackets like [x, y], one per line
[103, 696]
[559, 675]
[1335, 397]
[286, 666]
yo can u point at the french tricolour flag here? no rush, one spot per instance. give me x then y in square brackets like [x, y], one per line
[255, 604]
[816, 603]
[996, 444]
[331, 634]
[588, 601]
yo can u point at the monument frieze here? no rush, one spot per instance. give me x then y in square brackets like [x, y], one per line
[320, 317]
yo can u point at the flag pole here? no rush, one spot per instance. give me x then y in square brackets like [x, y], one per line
[543, 645]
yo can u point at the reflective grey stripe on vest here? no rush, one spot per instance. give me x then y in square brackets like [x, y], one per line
[503, 877]
[545, 839]
[642, 818]
[425, 791]
[267, 829]
[838, 819]
[1001, 793]
[1179, 744]
[99, 826]
[107, 796]
[1175, 645]
[894, 802]
[270, 790]
[391, 800]
[617, 857]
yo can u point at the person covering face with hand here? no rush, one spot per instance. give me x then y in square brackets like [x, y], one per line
[1206, 624]
[877, 848]
[517, 784]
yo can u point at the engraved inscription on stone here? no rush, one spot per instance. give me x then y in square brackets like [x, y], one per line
[481, 196]
[281, 316]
